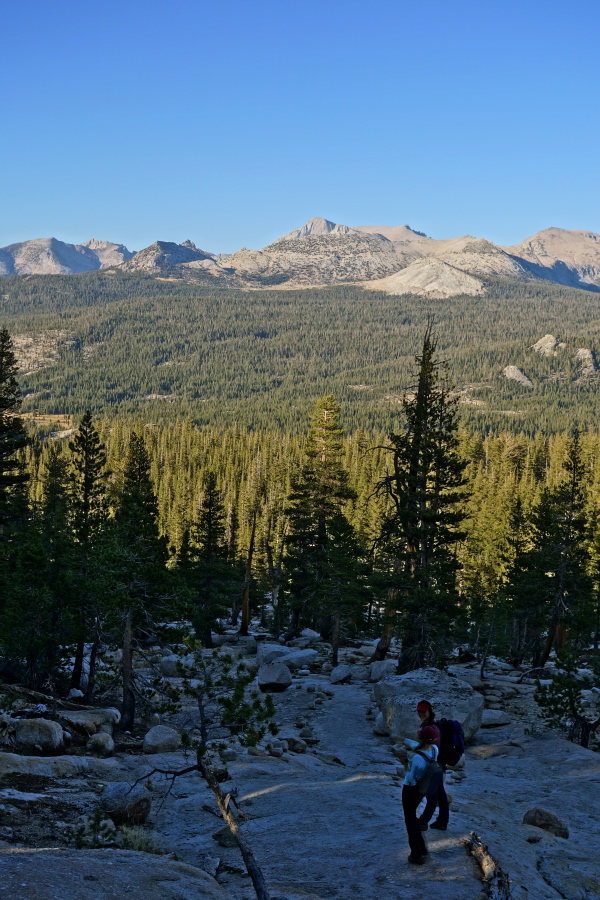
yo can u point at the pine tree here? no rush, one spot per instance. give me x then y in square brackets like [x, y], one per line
[13, 440]
[204, 565]
[139, 558]
[89, 511]
[554, 569]
[317, 498]
[421, 533]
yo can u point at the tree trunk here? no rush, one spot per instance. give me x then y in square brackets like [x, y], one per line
[389, 626]
[77, 666]
[252, 867]
[92, 673]
[335, 639]
[293, 626]
[128, 709]
[543, 659]
[246, 594]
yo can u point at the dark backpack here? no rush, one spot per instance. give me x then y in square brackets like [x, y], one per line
[433, 770]
[452, 744]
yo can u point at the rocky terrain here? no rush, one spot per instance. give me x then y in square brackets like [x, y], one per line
[394, 259]
[319, 804]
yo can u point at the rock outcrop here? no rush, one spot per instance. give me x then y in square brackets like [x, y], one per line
[514, 374]
[33, 874]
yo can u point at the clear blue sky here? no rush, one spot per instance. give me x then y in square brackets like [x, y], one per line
[231, 123]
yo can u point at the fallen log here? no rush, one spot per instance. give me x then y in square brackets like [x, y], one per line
[497, 882]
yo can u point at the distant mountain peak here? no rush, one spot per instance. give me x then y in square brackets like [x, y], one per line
[317, 226]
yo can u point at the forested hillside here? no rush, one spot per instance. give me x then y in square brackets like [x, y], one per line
[161, 349]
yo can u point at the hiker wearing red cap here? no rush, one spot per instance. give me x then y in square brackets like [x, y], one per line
[436, 794]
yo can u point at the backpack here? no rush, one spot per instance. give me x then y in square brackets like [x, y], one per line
[452, 744]
[433, 769]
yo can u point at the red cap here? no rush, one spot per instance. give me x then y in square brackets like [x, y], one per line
[424, 706]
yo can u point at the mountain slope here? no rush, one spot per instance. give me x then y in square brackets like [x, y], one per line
[165, 255]
[319, 259]
[49, 256]
[566, 257]
[428, 276]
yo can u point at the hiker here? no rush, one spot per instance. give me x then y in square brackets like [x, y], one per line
[417, 769]
[436, 793]
[451, 747]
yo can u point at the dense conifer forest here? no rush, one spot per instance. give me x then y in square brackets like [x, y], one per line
[431, 532]
[163, 349]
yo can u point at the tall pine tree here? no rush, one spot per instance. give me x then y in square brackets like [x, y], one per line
[422, 530]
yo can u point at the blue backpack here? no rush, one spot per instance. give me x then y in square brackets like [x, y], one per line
[452, 745]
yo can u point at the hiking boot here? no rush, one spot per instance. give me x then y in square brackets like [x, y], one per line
[439, 826]
[416, 860]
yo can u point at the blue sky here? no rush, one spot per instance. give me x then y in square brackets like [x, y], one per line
[232, 123]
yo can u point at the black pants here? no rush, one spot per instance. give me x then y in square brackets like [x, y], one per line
[436, 796]
[411, 797]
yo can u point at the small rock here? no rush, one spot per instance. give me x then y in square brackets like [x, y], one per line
[546, 821]
[306, 733]
[256, 751]
[210, 865]
[125, 803]
[75, 694]
[341, 675]
[303, 672]
[101, 743]
[161, 739]
[310, 688]
[296, 745]
[228, 755]
[224, 838]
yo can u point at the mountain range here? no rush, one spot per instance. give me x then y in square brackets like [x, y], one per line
[392, 259]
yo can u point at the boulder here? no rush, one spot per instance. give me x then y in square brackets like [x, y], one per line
[311, 635]
[341, 675]
[274, 677]
[397, 697]
[168, 666]
[38, 735]
[101, 743]
[546, 821]
[126, 803]
[492, 718]
[161, 739]
[381, 668]
[268, 653]
[299, 659]
[92, 719]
